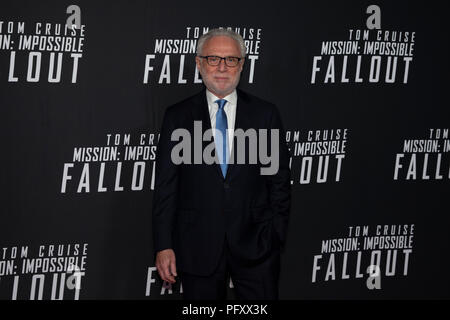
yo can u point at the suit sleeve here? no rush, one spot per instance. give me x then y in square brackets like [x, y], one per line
[166, 186]
[280, 182]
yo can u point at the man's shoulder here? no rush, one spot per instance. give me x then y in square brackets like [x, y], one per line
[257, 102]
[183, 108]
[186, 103]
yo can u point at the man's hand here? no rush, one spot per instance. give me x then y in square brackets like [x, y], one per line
[165, 264]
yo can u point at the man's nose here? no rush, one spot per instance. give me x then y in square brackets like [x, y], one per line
[222, 66]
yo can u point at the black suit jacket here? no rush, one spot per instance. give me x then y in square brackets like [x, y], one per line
[195, 209]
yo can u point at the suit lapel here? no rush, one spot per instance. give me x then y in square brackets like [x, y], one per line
[242, 121]
[200, 112]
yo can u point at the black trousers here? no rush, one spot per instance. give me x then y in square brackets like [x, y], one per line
[251, 281]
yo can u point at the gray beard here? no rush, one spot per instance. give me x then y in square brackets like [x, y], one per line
[222, 93]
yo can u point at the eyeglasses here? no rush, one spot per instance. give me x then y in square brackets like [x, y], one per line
[215, 60]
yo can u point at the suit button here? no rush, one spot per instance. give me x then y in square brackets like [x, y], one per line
[226, 185]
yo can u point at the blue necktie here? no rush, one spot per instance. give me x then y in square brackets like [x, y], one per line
[221, 144]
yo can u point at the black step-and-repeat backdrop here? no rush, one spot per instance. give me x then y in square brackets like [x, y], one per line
[362, 88]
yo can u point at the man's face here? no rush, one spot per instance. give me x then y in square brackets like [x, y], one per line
[221, 79]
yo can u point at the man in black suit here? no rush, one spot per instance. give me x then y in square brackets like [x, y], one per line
[228, 218]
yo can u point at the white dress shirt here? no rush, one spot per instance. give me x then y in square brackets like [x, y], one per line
[230, 111]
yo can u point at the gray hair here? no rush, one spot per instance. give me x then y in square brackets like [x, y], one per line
[221, 32]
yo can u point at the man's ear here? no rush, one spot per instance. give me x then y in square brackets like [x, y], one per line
[197, 62]
[242, 63]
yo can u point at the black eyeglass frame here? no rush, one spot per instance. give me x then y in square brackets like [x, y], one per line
[221, 58]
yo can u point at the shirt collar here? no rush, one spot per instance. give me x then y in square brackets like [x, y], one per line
[211, 98]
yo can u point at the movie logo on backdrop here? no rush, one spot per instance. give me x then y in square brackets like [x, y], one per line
[50, 271]
[43, 51]
[317, 156]
[125, 163]
[366, 55]
[365, 252]
[164, 288]
[166, 65]
[427, 158]
[160, 287]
